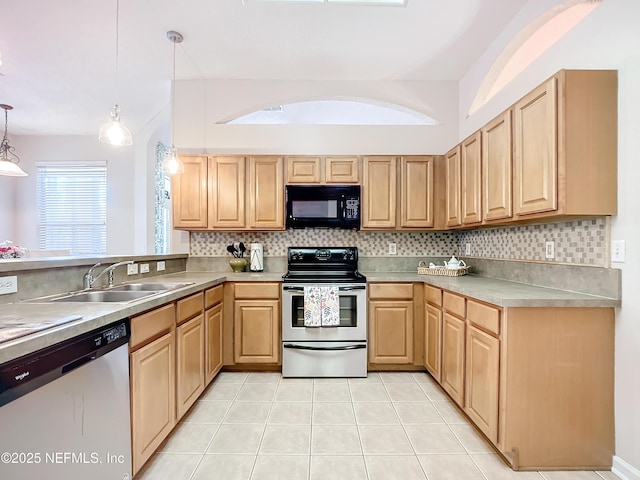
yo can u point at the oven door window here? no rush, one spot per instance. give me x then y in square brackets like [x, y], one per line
[348, 311]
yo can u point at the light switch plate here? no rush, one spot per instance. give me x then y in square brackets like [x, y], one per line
[618, 251]
[550, 250]
[467, 249]
[160, 266]
[144, 268]
[132, 269]
[8, 284]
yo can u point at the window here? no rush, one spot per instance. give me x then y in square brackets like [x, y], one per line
[72, 207]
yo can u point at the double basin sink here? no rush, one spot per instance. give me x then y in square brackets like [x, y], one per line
[119, 294]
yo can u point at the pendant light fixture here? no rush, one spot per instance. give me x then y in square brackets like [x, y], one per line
[8, 159]
[114, 131]
[172, 165]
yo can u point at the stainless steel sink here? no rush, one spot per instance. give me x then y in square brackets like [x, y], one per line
[103, 296]
[148, 287]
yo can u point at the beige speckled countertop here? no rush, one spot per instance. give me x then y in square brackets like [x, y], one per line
[95, 315]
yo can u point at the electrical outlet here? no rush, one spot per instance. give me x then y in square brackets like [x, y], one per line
[160, 266]
[144, 268]
[618, 252]
[392, 249]
[467, 249]
[132, 269]
[550, 250]
[8, 284]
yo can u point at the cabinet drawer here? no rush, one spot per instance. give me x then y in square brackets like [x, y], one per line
[433, 295]
[189, 307]
[213, 295]
[151, 325]
[391, 290]
[454, 303]
[484, 316]
[258, 290]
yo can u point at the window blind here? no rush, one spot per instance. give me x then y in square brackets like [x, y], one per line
[72, 207]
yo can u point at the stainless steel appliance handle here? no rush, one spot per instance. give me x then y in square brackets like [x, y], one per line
[305, 347]
[349, 289]
[295, 289]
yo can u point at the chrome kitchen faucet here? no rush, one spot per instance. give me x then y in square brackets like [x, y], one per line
[88, 279]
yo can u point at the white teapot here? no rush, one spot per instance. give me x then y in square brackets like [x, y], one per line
[454, 263]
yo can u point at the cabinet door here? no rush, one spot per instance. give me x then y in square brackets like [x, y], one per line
[213, 342]
[482, 382]
[189, 194]
[153, 395]
[379, 192]
[391, 332]
[341, 170]
[266, 193]
[452, 165]
[496, 168]
[190, 364]
[303, 170]
[432, 340]
[257, 331]
[470, 174]
[453, 333]
[416, 207]
[227, 192]
[535, 150]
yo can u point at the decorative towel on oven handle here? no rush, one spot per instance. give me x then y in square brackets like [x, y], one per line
[321, 306]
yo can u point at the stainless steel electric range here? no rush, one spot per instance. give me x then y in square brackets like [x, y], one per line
[338, 349]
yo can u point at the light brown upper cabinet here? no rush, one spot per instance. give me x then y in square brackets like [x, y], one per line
[227, 193]
[453, 211]
[189, 194]
[565, 146]
[497, 168]
[266, 193]
[379, 188]
[322, 170]
[416, 190]
[471, 182]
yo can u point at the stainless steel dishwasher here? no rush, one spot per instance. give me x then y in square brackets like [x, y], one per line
[64, 410]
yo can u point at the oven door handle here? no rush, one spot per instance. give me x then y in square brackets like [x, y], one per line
[349, 289]
[295, 289]
[305, 347]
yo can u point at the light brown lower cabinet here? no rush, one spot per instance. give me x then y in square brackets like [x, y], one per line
[453, 356]
[390, 313]
[213, 341]
[433, 340]
[257, 331]
[153, 397]
[190, 363]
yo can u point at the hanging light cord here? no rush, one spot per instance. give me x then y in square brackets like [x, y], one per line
[117, 47]
[173, 93]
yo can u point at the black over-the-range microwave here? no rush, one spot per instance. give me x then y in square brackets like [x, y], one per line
[327, 206]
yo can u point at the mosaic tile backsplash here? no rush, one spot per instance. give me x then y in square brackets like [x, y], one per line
[582, 242]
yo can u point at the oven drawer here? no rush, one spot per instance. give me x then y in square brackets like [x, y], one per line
[324, 359]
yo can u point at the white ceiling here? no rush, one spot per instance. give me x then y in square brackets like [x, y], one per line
[58, 57]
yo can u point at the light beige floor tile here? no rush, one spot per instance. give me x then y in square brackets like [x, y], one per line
[290, 413]
[221, 391]
[369, 392]
[471, 440]
[568, 475]
[423, 377]
[433, 438]
[320, 381]
[417, 413]
[384, 440]
[257, 392]
[169, 466]
[331, 392]
[248, 412]
[281, 467]
[495, 469]
[207, 412]
[335, 440]
[450, 412]
[294, 392]
[450, 467]
[333, 413]
[296, 380]
[375, 413]
[406, 392]
[231, 377]
[263, 377]
[397, 377]
[190, 438]
[237, 438]
[227, 467]
[337, 467]
[434, 392]
[608, 475]
[286, 440]
[372, 377]
[397, 467]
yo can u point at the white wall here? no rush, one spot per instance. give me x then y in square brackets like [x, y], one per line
[7, 198]
[609, 38]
